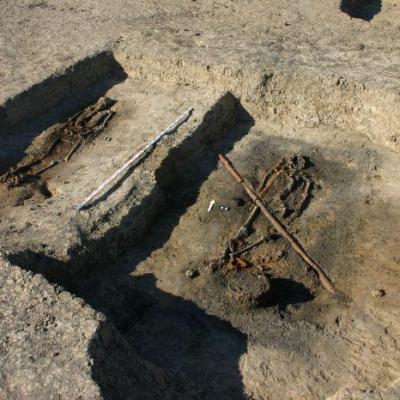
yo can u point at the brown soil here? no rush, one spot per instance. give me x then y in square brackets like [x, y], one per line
[54, 146]
[161, 308]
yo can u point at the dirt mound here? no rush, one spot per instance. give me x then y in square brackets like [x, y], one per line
[52, 344]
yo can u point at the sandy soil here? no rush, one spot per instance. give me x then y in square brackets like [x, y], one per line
[41, 38]
[304, 344]
[267, 80]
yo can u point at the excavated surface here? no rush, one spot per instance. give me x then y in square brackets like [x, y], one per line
[50, 236]
[303, 343]
[142, 111]
[145, 310]
[208, 341]
[222, 333]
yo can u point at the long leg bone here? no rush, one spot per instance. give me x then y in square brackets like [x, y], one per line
[325, 281]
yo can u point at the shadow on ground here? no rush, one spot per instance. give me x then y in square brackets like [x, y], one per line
[284, 292]
[16, 139]
[362, 9]
[199, 353]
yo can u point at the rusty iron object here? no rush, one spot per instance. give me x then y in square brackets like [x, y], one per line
[281, 229]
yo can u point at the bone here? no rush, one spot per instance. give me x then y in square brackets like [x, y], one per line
[50, 165]
[250, 246]
[325, 281]
[73, 149]
[266, 183]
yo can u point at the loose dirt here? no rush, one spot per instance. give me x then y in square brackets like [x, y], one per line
[147, 292]
[324, 337]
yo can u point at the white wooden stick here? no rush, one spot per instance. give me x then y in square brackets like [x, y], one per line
[136, 157]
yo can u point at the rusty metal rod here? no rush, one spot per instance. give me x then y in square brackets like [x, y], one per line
[265, 184]
[325, 281]
[253, 215]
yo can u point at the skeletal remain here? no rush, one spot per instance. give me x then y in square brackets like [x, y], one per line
[98, 128]
[211, 205]
[306, 194]
[86, 124]
[325, 281]
[50, 165]
[289, 165]
[73, 149]
[236, 264]
[245, 228]
[250, 246]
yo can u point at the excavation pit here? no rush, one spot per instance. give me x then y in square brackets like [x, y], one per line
[262, 327]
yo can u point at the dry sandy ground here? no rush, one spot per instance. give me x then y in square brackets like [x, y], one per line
[39, 38]
[266, 79]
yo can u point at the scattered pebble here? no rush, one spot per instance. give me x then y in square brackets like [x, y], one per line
[191, 273]
[378, 293]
